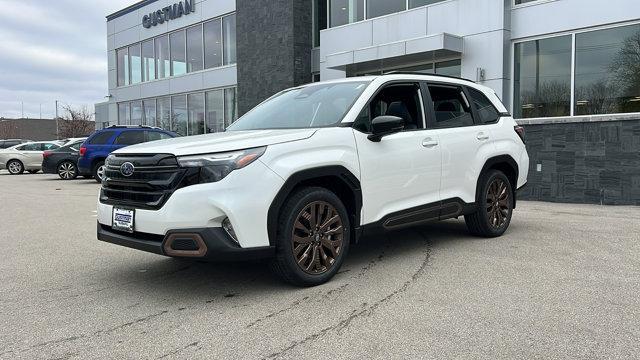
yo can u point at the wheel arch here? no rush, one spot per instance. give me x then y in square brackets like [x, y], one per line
[505, 164]
[335, 178]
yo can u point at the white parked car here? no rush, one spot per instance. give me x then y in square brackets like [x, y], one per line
[314, 168]
[25, 157]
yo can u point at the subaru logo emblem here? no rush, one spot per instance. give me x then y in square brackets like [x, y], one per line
[127, 169]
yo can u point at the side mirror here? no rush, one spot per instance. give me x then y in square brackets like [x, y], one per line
[385, 125]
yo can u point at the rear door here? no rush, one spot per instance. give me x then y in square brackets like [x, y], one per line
[465, 141]
[32, 154]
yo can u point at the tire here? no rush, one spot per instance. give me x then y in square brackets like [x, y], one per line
[495, 206]
[320, 246]
[67, 170]
[98, 171]
[15, 167]
[33, 171]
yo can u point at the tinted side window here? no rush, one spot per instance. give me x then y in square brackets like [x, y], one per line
[401, 100]
[450, 106]
[101, 138]
[484, 107]
[156, 135]
[30, 147]
[130, 138]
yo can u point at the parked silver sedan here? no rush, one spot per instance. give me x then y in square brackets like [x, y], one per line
[25, 157]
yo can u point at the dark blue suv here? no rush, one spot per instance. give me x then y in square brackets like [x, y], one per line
[98, 146]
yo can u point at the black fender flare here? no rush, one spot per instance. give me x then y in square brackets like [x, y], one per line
[335, 171]
[500, 159]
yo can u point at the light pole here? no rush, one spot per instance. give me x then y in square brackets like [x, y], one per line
[57, 131]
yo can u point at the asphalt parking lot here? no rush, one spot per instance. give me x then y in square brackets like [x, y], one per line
[564, 282]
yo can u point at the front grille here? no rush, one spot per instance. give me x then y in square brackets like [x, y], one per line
[154, 179]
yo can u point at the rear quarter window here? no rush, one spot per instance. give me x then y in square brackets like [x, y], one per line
[101, 138]
[486, 111]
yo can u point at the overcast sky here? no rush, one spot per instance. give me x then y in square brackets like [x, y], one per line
[53, 50]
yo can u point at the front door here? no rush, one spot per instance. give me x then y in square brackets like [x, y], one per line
[402, 171]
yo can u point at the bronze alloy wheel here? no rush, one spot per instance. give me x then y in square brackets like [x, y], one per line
[317, 237]
[498, 203]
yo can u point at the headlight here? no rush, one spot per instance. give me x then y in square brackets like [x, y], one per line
[215, 167]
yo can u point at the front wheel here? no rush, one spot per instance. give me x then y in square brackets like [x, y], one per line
[67, 170]
[98, 171]
[495, 206]
[15, 167]
[312, 238]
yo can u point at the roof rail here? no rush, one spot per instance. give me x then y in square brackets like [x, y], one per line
[399, 72]
[133, 127]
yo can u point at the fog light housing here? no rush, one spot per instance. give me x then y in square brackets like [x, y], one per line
[226, 225]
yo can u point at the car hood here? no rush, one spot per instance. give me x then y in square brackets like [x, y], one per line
[218, 142]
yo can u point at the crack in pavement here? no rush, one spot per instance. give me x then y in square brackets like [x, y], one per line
[366, 309]
[179, 350]
[83, 336]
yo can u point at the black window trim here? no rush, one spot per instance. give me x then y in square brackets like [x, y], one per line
[477, 114]
[418, 86]
[474, 115]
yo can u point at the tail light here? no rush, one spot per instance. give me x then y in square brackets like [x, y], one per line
[520, 131]
[46, 154]
[83, 150]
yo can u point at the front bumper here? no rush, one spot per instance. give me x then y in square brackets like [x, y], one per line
[244, 197]
[205, 243]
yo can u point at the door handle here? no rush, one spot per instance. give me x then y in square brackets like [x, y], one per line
[429, 143]
[482, 136]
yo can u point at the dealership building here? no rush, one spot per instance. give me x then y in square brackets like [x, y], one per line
[568, 70]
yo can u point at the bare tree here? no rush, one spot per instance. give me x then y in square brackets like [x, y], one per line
[8, 130]
[76, 122]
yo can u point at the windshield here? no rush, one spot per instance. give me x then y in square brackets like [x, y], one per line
[311, 106]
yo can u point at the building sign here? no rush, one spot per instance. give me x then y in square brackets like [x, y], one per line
[167, 13]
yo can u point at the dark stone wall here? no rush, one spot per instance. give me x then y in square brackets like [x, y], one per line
[273, 48]
[589, 162]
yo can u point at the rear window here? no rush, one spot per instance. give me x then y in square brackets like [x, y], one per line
[156, 135]
[50, 146]
[130, 138]
[484, 107]
[101, 138]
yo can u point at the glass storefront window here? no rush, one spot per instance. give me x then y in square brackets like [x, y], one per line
[122, 65]
[607, 74]
[163, 112]
[229, 33]
[194, 48]
[319, 19]
[179, 114]
[135, 63]
[345, 11]
[377, 8]
[418, 3]
[148, 61]
[162, 56]
[213, 44]
[149, 112]
[196, 113]
[215, 111]
[542, 78]
[136, 113]
[449, 68]
[124, 115]
[178, 57]
[230, 106]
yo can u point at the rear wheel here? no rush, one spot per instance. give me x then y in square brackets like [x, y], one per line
[67, 170]
[98, 171]
[495, 206]
[313, 237]
[15, 167]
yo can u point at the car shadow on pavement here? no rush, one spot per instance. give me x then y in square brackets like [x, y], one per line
[204, 280]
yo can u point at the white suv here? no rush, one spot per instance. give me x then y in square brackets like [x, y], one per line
[314, 168]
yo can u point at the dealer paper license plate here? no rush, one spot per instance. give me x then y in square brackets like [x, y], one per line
[123, 219]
